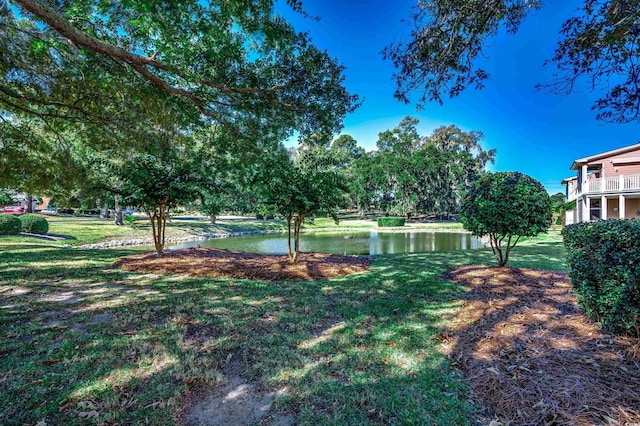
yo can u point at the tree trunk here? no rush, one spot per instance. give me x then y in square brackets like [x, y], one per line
[117, 220]
[29, 206]
[164, 215]
[289, 238]
[296, 233]
[158, 224]
[212, 219]
[153, 217]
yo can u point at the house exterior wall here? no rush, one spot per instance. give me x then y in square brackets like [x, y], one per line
[598, 192]
[613, 211]
[572, 187]
[632, 205]
[612, 167]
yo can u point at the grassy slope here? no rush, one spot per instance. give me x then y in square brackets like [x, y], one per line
[105, 345]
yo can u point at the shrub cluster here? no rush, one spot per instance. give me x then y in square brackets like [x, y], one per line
[390, 221]
[604, 266]
[34, 224]
[9, 224]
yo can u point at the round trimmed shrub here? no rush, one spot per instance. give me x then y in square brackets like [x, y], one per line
[9, 224]
[34, 224]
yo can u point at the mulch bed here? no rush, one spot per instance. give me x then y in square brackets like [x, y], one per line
[216, 263]
[531, 356]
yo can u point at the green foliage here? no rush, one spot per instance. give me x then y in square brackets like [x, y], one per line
[390, 221]
[9, 224]
[310, 185]
[410, 173]
[506, 206]
[238, 65]
[449, 37]
[604, 266]
[34, 224]
[159, 183]
[5, 197]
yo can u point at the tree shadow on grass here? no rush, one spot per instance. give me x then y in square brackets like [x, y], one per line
[102, 345]
[532, 357]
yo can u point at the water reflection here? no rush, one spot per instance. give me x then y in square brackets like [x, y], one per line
[360, 243]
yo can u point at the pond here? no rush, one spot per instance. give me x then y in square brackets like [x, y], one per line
[358, 243]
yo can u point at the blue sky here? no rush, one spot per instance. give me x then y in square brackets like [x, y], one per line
[534, 132]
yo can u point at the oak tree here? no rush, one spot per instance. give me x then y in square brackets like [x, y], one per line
[600, 45]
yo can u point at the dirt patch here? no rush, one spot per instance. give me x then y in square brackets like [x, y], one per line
[531, 356]
[216, 262]
[235, 402]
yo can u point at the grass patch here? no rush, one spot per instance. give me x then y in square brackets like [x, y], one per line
[82, 343]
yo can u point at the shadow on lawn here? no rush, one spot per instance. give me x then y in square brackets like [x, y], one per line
[103, 345]
[532, 357]
[82, 342]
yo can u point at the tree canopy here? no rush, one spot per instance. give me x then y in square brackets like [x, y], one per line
[601, 45]
[107, 65]
[300, 187]
[410, 173]
[506, 206]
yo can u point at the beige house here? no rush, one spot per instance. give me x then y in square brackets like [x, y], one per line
[607, 186]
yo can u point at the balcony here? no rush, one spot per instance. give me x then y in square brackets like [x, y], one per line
[614, 184]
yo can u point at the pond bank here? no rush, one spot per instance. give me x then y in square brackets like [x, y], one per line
[129, 242]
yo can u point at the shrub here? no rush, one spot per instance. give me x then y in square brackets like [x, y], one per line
[9, 224]
[390, 221]
[604, 266]
[506, 206]
[34, 224]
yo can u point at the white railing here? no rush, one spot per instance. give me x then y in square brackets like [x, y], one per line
[614, 184]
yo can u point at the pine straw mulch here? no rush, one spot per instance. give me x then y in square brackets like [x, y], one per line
[531, 356]
[226, 263]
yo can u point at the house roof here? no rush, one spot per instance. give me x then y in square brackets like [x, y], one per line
[569, 179]
[581, 161]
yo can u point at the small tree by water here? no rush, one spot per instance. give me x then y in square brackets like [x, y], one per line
[299, 189]
[506, 206]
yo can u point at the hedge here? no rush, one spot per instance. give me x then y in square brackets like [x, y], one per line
[9, 224]
[604, 266]
[390, 221]
[34, 224]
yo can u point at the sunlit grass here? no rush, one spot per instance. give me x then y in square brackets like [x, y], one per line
[79, 337]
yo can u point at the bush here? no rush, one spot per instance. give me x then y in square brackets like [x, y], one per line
[34, 224]
[390, 221]
[506, 206]
[604, 266]
[9, 224]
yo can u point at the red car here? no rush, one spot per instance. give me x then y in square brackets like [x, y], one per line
[13, 209]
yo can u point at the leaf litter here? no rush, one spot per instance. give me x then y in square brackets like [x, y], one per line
[532, 357]
[237, 264]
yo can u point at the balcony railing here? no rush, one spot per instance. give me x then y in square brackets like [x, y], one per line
[615, 184]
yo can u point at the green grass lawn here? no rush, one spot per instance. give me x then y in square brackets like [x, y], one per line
[83, 343]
